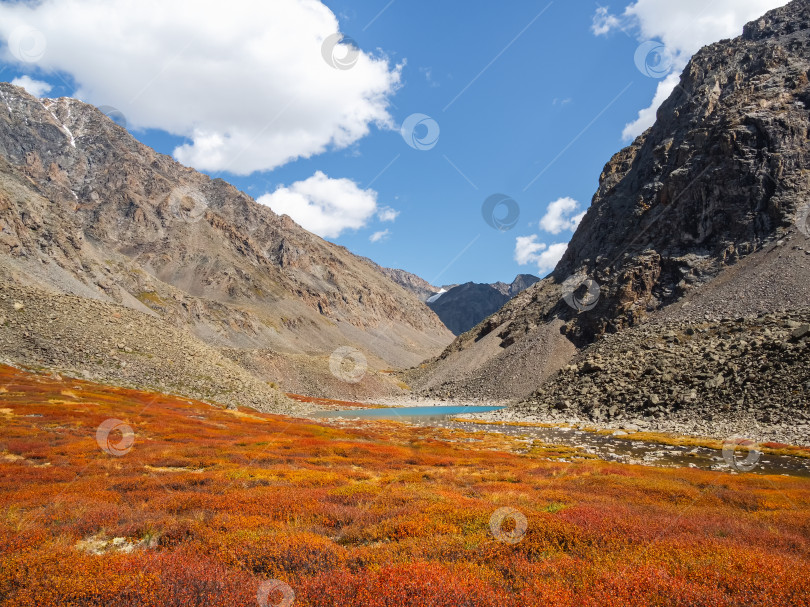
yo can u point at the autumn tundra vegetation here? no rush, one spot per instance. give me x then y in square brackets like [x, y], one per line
[190, 504]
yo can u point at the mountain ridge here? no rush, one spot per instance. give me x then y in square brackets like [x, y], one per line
[463, 306]
[720, 177]
[87, 210]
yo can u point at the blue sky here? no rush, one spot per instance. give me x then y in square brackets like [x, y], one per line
[530, 99]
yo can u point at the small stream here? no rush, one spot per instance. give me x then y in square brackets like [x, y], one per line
[605, 447]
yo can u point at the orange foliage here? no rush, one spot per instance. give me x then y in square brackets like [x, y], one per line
[331, 403]
[207, 504]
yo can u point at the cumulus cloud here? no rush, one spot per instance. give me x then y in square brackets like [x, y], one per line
[37, 88]
[323, 205]
[387, 214]
[646, 117]
[560, 216]
[529, 251]
[378, 236]
[244, 81]
[683, 27]
[526, 249]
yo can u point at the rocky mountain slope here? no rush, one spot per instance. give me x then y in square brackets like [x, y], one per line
[462, 307]
[518, 285]
[411, 282]
[696, 205]
[746, 376]
[88, 211]
[94, 339]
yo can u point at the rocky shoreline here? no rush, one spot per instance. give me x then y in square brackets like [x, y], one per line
[722, 429]
[745, 377]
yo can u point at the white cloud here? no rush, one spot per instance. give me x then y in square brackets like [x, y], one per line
[646, 117]
[549, 258]
[683, 27]
[387, 214]
[604, 22]
[37, 88]
[322, 205]
[559, 216]
[245, 81]
[528, 250]
[378, 236]
[427, 72]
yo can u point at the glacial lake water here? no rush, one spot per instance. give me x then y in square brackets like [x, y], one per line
[409, 413]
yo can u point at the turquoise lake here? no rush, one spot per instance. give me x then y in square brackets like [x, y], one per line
[408, 412]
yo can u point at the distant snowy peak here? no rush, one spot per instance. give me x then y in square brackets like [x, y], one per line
[461, 307]
[433, 298]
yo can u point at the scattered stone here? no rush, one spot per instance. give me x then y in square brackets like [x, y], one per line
[800, 331]
[743, 376]
[73, 343]
[592, 367]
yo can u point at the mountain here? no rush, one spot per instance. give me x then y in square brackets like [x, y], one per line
[87, 211]
[462, 307]
[703, 216]
[696, 377]
[521, 283]
[410, 282]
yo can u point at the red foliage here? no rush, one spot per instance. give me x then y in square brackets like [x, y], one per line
[209, 503]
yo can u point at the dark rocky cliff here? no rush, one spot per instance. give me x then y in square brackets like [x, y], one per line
[722, 175]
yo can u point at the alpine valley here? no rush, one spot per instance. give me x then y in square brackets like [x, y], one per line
[204, 403]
